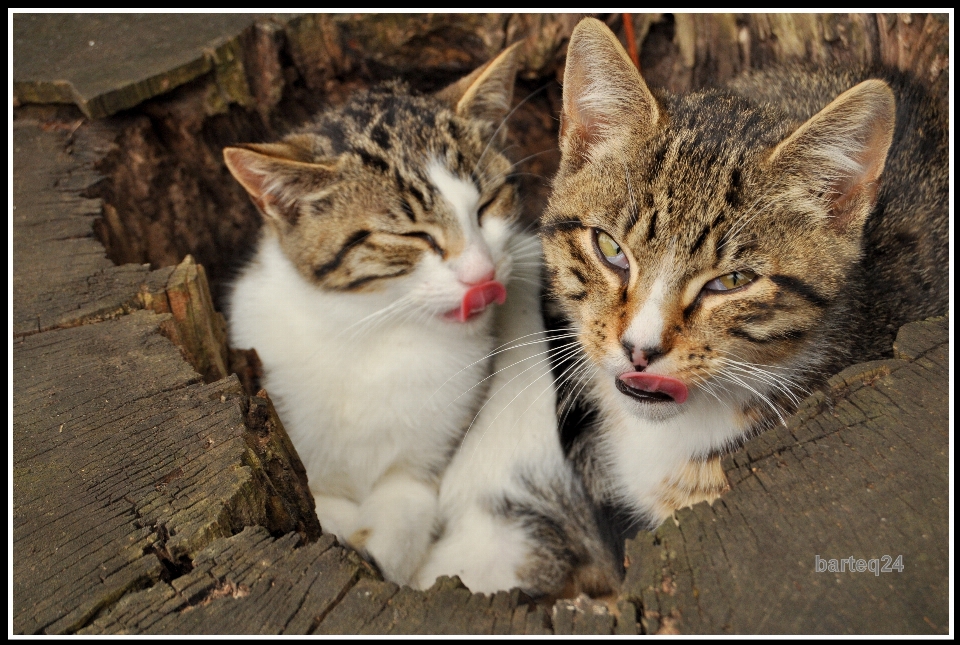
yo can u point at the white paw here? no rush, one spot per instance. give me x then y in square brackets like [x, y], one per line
[395, 525]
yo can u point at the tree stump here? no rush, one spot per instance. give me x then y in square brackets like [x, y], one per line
[154, 491]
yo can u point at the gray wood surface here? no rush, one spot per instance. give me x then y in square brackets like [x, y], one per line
[151, 494]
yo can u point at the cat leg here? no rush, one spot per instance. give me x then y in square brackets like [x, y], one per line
[512, 511]
[484, 550]
[395, 524]
[338, 515]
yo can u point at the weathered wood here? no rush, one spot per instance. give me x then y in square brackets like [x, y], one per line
[198, 329]
[61, 275]
[146, 501]
[861, 470]
[58, 58]
[125, 464]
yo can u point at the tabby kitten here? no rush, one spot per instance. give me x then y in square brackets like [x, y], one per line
[388, 229]
[513, 511]
[722, 252]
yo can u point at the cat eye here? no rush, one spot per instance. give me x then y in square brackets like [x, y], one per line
[485, 205]
[610, 251]
[426, 237]
[731, 281]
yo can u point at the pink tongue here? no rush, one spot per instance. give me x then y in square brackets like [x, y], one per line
[476, 300]
[645, 382]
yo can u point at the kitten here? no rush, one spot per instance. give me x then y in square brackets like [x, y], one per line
[390, 228]
[721, 253]
[513, 511]
[389, 223]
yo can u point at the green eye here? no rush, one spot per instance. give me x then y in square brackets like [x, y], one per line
[731, 281]
[610, 251]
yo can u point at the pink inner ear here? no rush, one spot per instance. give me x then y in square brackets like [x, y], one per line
[476, 299]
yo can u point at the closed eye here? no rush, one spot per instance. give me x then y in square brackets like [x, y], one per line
[485, 205]
[426, 237]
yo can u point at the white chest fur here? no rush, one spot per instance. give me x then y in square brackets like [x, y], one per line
[643, 458]
[363, 397]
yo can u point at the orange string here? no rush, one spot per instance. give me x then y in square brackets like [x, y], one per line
[631, 40]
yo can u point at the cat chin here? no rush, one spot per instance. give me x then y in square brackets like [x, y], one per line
[651, 411]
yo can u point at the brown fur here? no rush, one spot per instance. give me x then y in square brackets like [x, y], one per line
[348, 194]
[809, 192]
[698, 481]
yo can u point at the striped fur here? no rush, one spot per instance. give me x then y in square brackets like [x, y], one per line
[720, 183]
[379, 217]
[425, 449]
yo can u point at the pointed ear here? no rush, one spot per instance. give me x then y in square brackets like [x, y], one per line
[278, 178]
[841, 151]
[485, 93]
[604, 95]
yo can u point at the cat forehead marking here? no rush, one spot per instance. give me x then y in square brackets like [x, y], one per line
[462, 195]
[646, 328]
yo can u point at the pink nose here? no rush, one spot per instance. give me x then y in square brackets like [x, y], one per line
[476, 299]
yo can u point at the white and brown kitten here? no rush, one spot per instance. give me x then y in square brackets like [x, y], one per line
[390, 229]
[722, 252]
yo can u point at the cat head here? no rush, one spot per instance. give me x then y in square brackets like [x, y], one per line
[696, 241]
[397, 194]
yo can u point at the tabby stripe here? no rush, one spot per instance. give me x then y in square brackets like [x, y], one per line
[370, 278]
[577, 296]
[652, 227]
[408, 210]
[692, 307]
[380, 135]
[578, 275]
[657, 164]
[792, 334]
[351, 242]
[733, 192]
[373, 160]
[699, 241]
[413, 190]
[566, 225]
[802, 289]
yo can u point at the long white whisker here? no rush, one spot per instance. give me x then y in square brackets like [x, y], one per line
[504, 121]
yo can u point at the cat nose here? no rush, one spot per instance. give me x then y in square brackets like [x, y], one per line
[475, 266]
[642, 357]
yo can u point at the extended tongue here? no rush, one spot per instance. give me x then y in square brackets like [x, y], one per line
[476, 299]
[645, 382]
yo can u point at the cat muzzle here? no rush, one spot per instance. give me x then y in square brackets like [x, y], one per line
[652, 388]
[476, 299]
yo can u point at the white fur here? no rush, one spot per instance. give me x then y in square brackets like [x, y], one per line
[641, 452]
[645, 444]
[646, 328]
[374, 389]
[515, 432]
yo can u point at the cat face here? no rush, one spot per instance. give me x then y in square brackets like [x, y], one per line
[406, 199]
[700, 243]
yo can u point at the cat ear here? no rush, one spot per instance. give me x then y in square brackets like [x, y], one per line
[278, 176]
[604, 95]
[485, 93]
[841, 151]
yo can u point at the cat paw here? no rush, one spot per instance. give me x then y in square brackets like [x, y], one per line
[395, 526]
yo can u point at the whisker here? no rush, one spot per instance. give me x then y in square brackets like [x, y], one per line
[504, 121]
[547, 351]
